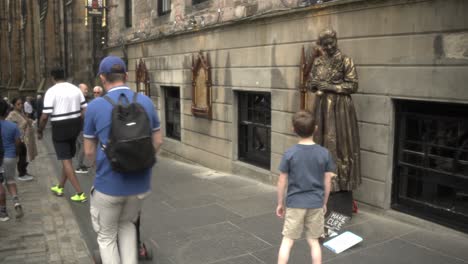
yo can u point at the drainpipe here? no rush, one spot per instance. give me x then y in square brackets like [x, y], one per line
[65, 39]
[23, 44]
[10, 66]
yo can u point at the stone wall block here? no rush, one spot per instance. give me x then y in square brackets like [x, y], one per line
[285, 100]
[275, 162]
[371, 192]
[372, 108]
[171, 77]
[205, 126]
[211, 144]
[285, 78]
[281, 122]
[374, 166]
[374, 137]
[424, 82]
[280, 142]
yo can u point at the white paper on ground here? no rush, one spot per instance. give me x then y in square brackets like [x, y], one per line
[342, 242]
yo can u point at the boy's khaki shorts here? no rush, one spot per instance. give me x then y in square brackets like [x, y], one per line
[298, 219]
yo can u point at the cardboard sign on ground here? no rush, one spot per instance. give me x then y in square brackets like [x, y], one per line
[342, 242]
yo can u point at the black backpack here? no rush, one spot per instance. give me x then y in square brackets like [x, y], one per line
[130, 146]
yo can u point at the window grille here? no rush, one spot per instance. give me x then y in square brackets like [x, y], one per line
[128, 13]
[164, 7]
[431, 161]
[255, 128]
[194, 2]
[172, 112]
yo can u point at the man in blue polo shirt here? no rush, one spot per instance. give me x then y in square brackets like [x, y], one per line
[116, 197]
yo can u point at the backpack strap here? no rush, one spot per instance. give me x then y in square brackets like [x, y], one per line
[121, 98]
[108, 99]
[135, 95]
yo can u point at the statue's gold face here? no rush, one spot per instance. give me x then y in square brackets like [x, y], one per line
[329, 45]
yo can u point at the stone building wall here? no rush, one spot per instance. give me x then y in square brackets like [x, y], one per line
[4, 69]
[402, 49]
[33, 35]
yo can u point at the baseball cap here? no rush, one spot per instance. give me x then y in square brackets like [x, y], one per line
[112, 64]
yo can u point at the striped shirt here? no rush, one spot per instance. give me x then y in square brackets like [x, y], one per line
[63, 101]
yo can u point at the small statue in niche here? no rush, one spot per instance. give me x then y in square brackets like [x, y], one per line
[333, 78]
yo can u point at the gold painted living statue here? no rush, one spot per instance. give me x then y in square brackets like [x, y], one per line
[333, 78]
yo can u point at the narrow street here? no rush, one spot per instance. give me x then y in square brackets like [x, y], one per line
[199, 216]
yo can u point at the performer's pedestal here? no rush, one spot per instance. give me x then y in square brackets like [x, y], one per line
[341, 202]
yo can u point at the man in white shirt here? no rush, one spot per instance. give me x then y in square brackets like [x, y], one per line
[28, 109]
[65, 104]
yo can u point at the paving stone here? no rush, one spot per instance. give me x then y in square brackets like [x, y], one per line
[189, 218]
[267, 227]
[232, 182]
[191, 202]
[209, 243]
[395, 252]
[449, 244]
[243, 207]
[245, 259]
[33, 239]
[245, 192]
[300, 253]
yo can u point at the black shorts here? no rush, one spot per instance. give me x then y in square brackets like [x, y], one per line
[66, 149]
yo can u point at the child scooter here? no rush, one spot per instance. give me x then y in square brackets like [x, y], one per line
[143, 252]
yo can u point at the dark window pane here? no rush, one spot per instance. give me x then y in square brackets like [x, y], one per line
[194, 2]
[128, 13]
[431, 176]
[172, 111]
[255, 128]
[164, 7]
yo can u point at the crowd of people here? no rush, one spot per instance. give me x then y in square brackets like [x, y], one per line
[90, 126]
[81, 125]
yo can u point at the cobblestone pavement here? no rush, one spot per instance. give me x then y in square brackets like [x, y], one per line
[48, 232]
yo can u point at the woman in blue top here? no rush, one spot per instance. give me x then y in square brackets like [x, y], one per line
[11, 138]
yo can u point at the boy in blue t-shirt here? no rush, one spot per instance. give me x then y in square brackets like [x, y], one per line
[306, 170]
[11, 140]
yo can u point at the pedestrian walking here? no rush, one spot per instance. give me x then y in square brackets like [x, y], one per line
[39, 106]
[97, 91]
[11, 139]
[27, 150]
[119, 187]
[306, 170]
[3, 211]
[81, 168]
[65, 104]
[28, 107]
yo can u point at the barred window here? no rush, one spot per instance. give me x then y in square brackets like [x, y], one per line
[431, 161]
[164, 7]
[172, 111]
[255, 128]
[128, 13]
[194, 2]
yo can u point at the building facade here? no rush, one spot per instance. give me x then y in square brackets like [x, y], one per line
[243, 57]
[39, 35]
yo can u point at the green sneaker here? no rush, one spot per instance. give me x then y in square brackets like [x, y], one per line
[81, 198]
[57, 190]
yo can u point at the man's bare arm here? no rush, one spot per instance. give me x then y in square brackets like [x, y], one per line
[90, 145]
[42, 123]
[157, 140]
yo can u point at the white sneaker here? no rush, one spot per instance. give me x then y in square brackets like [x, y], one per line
[4, 216]
[25, 178]
[81, 170]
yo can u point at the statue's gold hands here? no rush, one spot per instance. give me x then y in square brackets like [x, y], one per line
[321, 86]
